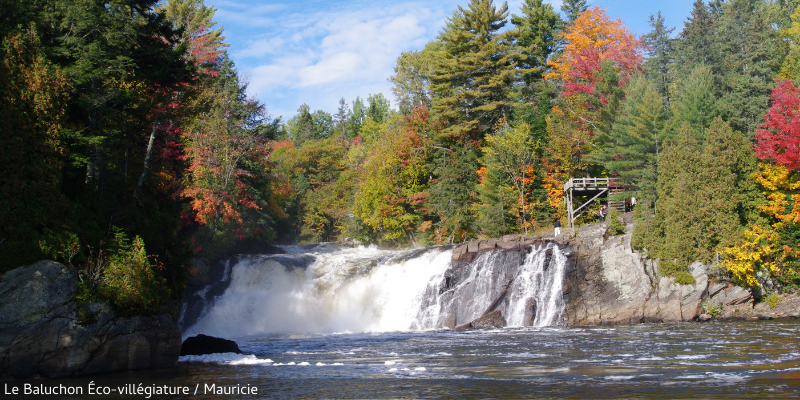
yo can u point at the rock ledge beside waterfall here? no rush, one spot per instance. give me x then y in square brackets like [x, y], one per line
[607, 282]
[44, 332]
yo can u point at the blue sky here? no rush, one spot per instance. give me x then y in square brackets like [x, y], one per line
[316, 52]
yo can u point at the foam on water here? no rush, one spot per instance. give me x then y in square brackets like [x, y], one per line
[226, 358]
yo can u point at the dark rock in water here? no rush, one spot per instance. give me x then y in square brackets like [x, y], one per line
[765, 316]
[202, 344]
[530, 312]
[44, 332]
[490, 320]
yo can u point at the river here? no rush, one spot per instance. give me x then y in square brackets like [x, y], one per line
[324, 322]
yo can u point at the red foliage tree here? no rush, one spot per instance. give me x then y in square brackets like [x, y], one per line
[778, 139]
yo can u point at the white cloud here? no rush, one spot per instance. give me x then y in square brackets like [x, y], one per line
[294, 56]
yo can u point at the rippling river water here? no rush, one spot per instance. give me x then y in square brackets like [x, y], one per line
[758, 359]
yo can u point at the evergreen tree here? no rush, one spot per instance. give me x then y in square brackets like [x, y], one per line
[660, 50]
[340, 119]
[450, 195]
[573, 8]
[705, 194]
[748, 45]
[378, 109]
[694, 102]
[357, 117]
[538, 29]
[309, 126]
[638, 134]
[696, 43]
[476, 70]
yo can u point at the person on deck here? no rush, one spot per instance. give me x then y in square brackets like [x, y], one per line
[633, 202]
[557, 226]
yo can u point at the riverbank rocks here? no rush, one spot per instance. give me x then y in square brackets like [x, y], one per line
[609, 283]
[467, 252]
[43, 332]
[201, 344]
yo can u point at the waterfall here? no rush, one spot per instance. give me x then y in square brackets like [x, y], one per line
[325, 289]
[540, 278]
[527, 291]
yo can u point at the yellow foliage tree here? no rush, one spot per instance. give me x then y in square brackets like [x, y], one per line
[769, 248]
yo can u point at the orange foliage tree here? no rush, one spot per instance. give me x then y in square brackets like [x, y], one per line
[598, 58]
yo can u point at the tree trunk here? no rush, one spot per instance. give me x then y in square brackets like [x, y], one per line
[138, 190]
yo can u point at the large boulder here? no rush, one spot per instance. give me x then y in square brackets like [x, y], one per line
[43, 331]
[202, 344]
[490, 320]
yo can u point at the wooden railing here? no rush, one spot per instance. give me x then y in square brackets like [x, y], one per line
[589, 183]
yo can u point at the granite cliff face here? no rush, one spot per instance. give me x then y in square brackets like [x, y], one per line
[43, 332]
[607, 282]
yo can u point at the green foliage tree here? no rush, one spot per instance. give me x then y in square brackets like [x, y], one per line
[379, 109]
[694, 101]
[33, 100]
[706, 195]
[411, 79]
[748, 45]
[393, 180]
[631, 149]
[513, 152]
[129, 280]
[696, 44]
[660, 47]
[476, 69]
[307, 125]
[573, 8]
[451, 194]
[790, 68]
[538, 27]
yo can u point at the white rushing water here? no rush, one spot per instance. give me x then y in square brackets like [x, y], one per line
[369, 290]
[540, 281]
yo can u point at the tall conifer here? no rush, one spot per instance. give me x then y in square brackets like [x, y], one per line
[476, 69]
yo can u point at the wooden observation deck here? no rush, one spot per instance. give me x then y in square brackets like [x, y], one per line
[585, 186]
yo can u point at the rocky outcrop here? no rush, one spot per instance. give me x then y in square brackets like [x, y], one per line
[491, 320]
[609, 283]
[44, 332]
[202, 344]
[466, 253]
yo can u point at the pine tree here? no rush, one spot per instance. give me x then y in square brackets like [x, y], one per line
[573, 8]
[660, 49]
[476, 70]
[638, 134]
[378, 109]
[340, 119]
[696, 43]
[357, 117]
[748, 45]
[694, 101]
[451, 193]
[538, 28]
